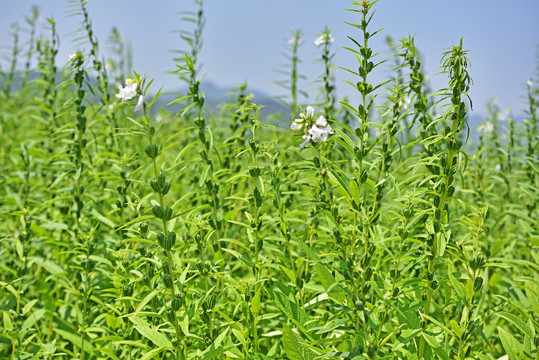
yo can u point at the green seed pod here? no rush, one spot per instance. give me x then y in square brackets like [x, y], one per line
[151, 271]
[169, 241]
[360, 305]
[143, 228]
[161, 180]
[396, 291]
[204, 316]
[166, 188]
[161, 240]
[165, 268]
[167, 280]
[171, 315]
[450, 191]
[368, 274]
[254, 172]
[157, 211]
[142, 250]
[167, 214]
[371, 351]
[177, 302]
[155, 186]
[478, 282]
[363, 176]
[152, 151]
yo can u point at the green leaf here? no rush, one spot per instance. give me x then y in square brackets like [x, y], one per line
[255, 302]
[51, 267]
[511, 345]
[216, 348]
[134, 221]
[519, 323]
[152, 353]
[294, 347]
[457, 286]
[150, 333]
[102, 219]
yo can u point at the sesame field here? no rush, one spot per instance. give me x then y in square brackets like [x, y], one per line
[141, 224]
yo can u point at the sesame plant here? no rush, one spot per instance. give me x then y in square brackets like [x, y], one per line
[385, 225]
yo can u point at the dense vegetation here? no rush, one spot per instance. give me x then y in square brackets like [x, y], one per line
[372, 228]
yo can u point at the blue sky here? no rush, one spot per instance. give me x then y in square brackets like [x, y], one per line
[245, 39]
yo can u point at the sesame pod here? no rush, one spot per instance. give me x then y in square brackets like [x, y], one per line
[155, 186]
[363, 176]
[478, 282]
[167, 280]
[165, 189]
[368, 274]
[152, 151]
[151, 271]
[169, 241]
[165, 268]
[177, 302]
[171, 315]
[157, 212]
[205, 317]
[161, 180]
[161, 240]
[143, 228]
[167, 214]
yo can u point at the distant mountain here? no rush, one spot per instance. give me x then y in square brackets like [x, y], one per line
[216, 96]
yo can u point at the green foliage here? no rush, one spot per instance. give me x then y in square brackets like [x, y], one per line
[131, 232]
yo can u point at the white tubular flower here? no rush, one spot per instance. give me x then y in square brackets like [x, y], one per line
[405, 103]
[129, 91]
[292, 41]
[320, 130]
[487, 127]
[296, 125]
[306, 139]
[309, 113]
[140, 103]
[322, 122]
[324, 39]
[529, 83]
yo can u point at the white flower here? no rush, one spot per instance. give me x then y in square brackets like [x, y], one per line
[140, 103]
[498, 167]
[320, 130]
[292, 41]
[306, 139]
[405, 102]
[487, 127]
[129, 91]
[72, 56]
[309, 113]
[529, 83]
[322, 122]
[324, 39]
[296, 126]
